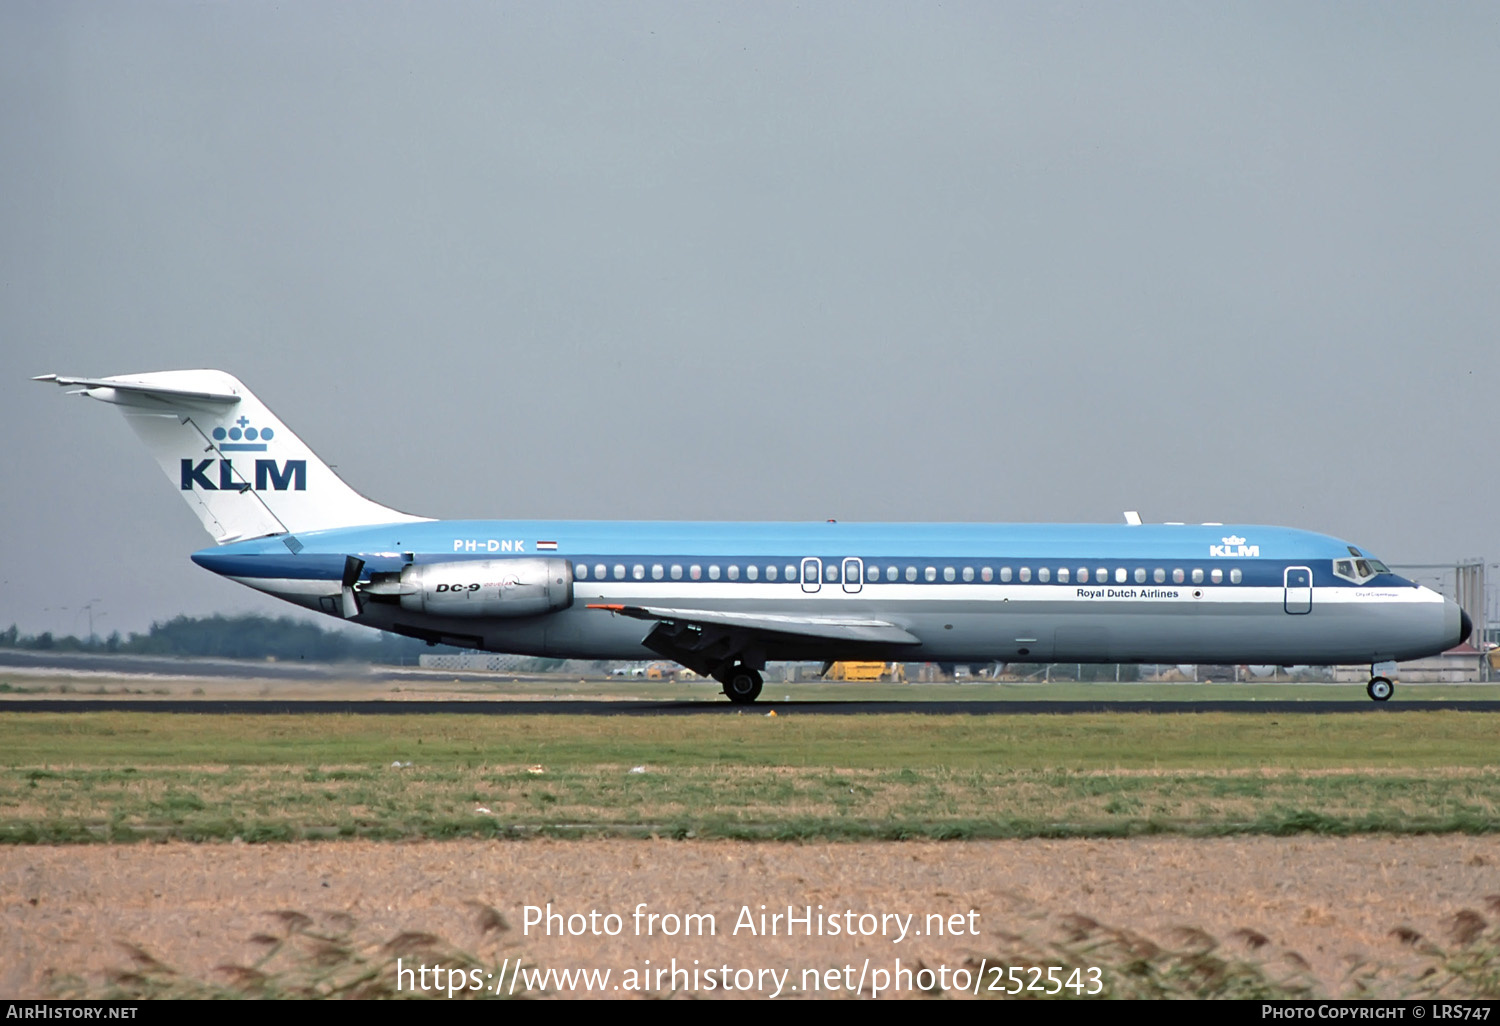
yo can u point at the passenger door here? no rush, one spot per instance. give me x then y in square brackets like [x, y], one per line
[812, 574]
[854, 574]
[1297, 596]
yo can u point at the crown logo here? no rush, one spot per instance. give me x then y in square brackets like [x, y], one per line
[1234, 539]
[243, 438]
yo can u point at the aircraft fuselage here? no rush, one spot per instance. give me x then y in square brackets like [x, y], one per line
[967, 592]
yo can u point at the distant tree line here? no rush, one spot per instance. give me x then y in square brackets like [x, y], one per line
[236, 637]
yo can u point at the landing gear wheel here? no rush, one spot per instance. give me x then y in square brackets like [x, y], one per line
[1380, 688]
[742, 685]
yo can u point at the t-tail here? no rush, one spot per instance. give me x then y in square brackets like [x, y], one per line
[240, 468]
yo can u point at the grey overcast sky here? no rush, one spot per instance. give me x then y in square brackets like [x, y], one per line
[989, 261]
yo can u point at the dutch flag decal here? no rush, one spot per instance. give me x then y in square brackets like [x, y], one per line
[544, 546]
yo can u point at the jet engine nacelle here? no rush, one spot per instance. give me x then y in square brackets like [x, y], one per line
[488, 587]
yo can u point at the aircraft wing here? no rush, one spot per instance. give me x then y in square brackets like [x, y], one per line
[830, 628]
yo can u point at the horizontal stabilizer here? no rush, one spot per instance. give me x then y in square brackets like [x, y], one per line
[143, 389]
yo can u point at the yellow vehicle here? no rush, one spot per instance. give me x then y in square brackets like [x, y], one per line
[867, 671]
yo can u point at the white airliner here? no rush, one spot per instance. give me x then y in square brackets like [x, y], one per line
[724, 598]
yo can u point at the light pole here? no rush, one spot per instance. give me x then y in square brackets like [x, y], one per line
[90, 610]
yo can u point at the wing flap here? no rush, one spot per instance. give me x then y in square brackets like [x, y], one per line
[829, 627]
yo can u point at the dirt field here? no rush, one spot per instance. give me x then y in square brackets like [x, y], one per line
[1333, 902]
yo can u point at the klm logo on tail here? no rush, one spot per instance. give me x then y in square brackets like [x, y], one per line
[269, 476]
[243, 438]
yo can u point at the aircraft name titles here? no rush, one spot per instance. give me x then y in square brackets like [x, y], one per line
[1129, 593]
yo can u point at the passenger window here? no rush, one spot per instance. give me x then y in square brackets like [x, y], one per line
[1140, 575]
[1197, 575]
[771, 572]
[599, 572]
[911, 573]
[1177, 576]
[695, 572]
[638, 572]
[752, 572]
[930, 574]
[713, 572]
[658, 572]
[1235, 577]
[1159, 575]
[619, 571]
[1044, 574]
[1005, 574]
[1217, 576]
[1083, 575]
[890, 573]
[581, 571]
[791, 573]
[949, 574]
[734, 572]
[1102, 575]
[1119, 575]
[676, 571]
[872, 573]
[1025, 574]
[831, 573]
[986, 575]
[1062, 575]
[968, 573]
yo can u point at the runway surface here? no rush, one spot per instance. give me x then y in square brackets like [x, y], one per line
[278, 707]
[174, 666]
[710, 704]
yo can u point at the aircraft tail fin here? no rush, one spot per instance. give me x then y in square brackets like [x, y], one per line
[238, 466]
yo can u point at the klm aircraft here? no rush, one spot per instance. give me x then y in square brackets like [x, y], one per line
[724, 598]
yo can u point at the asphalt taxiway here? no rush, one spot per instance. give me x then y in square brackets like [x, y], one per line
[143, 669]
[173, 666]
[628, 707]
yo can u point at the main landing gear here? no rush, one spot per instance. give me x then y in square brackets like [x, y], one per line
[741, 684]
[1380, 688]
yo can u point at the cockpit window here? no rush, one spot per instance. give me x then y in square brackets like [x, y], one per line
[1358, 570]
[1354, 552]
